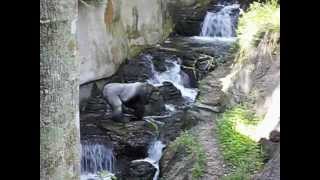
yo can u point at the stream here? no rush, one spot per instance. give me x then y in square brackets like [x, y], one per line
[179, 61]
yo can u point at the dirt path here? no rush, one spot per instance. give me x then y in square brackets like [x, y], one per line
[206, 130]
[215, 165]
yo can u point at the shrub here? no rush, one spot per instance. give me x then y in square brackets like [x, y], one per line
[259, 19]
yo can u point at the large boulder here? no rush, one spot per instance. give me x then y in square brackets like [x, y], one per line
[129, 137]
[134, 70]
[140, 170]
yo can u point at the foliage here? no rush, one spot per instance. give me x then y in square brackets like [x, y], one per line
[238, 175]
[105, 175]
[239, 150]
[195, 151]
[259, 19]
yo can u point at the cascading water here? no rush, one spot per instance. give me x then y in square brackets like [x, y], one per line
[95, 158]
[221, 23]
[154, 156]
[173, 74]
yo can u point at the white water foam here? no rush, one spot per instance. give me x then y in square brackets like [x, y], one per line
[221, 23]
[170, 107]
[154, 156]
[176, 76]
[215, 39]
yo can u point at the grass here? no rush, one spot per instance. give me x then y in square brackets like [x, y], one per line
[105, 175]
[195, 151]
[259, 19]
[237, 149]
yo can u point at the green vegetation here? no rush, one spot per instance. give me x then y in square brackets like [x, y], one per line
[259, 19]
[105, 175]
[193, 148]
[239, 150]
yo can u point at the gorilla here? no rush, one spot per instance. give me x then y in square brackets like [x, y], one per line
[131, 95]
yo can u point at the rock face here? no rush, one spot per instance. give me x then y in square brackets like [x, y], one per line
[271, 171]
[108, 31]
[141, 170]
[129, 139]
[257, 82]
[187, 15]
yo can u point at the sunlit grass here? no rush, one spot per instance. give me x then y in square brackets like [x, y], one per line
[259, 19]
[237, 149]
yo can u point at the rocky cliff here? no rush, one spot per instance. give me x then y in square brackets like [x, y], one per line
[108, 31]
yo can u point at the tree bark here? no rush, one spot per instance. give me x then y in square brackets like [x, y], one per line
[59, 91]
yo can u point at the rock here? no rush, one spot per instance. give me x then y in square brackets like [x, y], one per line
[128, 138]
[118, 29]
[275, 136]
[270, 146]
[188, 15]
[216, 109]
[211, 94]
[182, 120]
[175, 166]
[271, 171]
[156, 103]
[135, 71]
[169, 91]
[141, 170]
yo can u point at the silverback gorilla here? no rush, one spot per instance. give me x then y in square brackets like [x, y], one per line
[132, 95]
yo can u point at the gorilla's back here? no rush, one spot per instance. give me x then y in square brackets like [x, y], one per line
[124, 90]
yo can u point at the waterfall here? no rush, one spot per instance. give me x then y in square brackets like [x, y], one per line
[221, 23]
[95, 158]
[154, 156]
[173, 74]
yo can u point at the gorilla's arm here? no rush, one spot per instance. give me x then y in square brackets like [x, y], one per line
[111, 93]
[116, 105]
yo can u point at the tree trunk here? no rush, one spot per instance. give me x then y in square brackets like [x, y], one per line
[59, 91]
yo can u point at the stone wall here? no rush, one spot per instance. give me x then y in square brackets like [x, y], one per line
[109, 31]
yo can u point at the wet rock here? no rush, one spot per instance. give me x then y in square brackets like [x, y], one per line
[135, 70]
[174, 164]
[175, 124]
[96, 105]
[128, 138]
[156, 103]
[188, 16]
[169, 91]
[141, 170]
